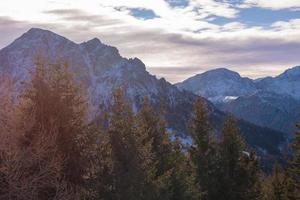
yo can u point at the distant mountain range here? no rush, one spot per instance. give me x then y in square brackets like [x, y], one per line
[100, 69]
[272, 102]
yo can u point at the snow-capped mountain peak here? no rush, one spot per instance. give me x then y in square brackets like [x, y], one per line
[224, 72]
[272, 101]
[217, 84]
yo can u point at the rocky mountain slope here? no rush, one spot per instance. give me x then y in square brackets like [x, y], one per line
[266, 109]
[272, 102]
[100, 69]
[287, 83]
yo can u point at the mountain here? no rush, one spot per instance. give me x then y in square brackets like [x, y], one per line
[268, 102]
[287, 83]
[99, 68]
[218, 85]
[266, 109]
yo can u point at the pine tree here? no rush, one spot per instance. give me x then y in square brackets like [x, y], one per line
[278, 186]
[200, 128]
[131, 157]
[145, 128]
[294, 164]
[168, 167]
[239, 168]
[57, 101]
[250, 176]
[48, 159]
[155, 128]
[99, 184]
[275, 188]
[203, 152]
[157, 142]
[183, 185]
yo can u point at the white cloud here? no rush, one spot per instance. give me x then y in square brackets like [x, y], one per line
[273, 4]
[233, 26]
[193, 17]
[216, 8]
[179, 37]
[293, 24]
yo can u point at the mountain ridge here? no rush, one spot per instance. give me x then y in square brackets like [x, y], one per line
[225, 83]
[100, 69]
[263, 103]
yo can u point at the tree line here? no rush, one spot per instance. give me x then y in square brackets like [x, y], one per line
[51, 150]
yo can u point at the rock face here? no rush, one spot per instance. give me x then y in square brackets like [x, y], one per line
[268, 102]
[100, 69]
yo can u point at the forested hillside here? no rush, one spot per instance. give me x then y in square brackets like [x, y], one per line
[51, 149]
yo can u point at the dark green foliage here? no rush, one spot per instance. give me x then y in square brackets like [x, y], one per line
[183, 176]
[283, 184]
[239, 168]
[167, 164]
[150, 128]
[261, 136]
[155, 136]
[224, 170]
[135, 159]
[131, 159]
[49, 150]
[144, 163]
[200, 128]
[294, 164]
[278, 186]
[203, 151]
[99, 183]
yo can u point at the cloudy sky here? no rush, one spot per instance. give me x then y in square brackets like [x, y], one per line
[174, 38]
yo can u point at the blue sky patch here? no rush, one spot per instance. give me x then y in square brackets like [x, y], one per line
[221, 20]
[142, 13]
[265, 17]
[258, 17]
